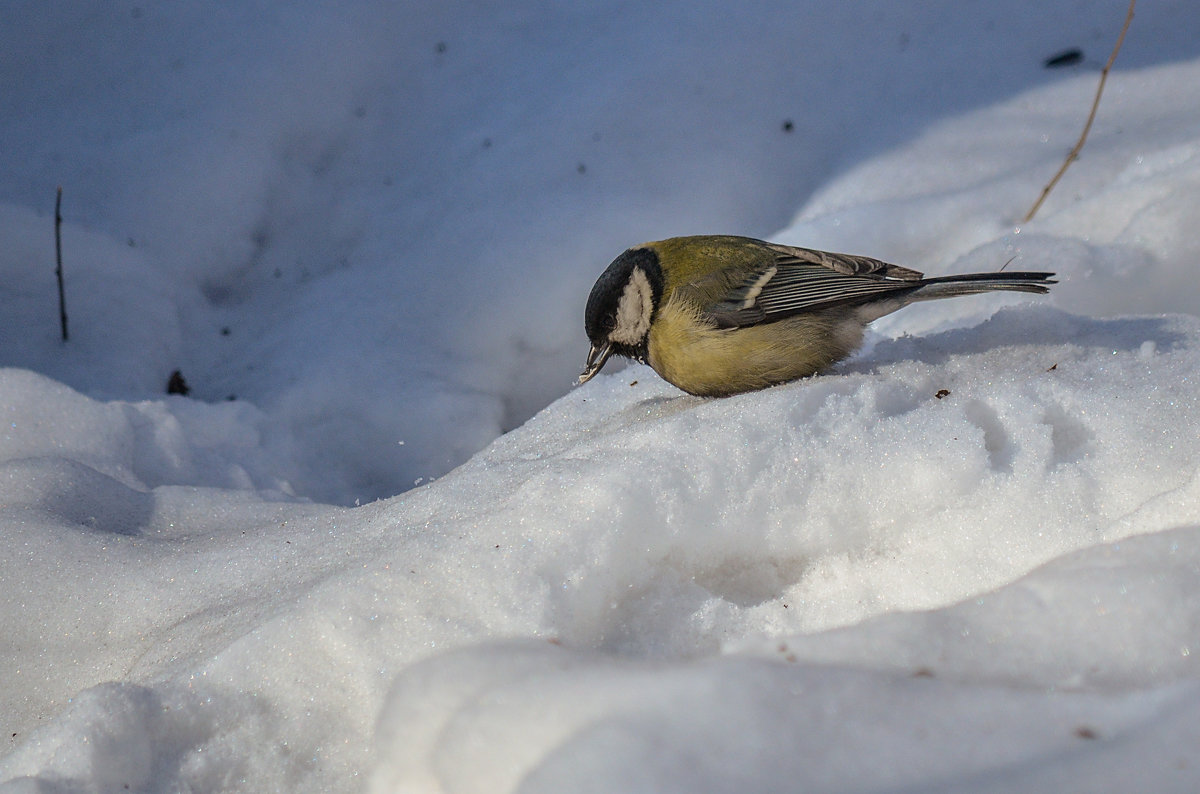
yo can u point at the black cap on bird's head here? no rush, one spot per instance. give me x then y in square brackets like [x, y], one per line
[620, 308]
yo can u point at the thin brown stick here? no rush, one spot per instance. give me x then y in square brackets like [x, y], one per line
[1074, 154]
[58, 271]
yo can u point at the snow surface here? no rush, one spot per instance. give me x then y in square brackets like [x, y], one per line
[966, 559]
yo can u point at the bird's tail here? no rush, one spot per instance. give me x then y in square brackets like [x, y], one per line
[975, 283]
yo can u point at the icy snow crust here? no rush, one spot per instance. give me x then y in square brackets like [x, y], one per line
[637, 581]
[967, 559]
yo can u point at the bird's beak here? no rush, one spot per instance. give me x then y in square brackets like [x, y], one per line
[595, 361]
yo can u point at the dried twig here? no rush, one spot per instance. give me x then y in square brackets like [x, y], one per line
[58, 271]
[1091, 117]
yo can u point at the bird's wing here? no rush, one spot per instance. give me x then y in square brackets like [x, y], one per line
[801, 279]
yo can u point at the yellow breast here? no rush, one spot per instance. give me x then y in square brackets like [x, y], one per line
[715, 362]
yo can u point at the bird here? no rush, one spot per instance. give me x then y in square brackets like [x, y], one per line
[718, 315]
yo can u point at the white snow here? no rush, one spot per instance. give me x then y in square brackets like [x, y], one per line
[966, 559]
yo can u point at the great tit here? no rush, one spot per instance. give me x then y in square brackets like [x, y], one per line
[717, 315]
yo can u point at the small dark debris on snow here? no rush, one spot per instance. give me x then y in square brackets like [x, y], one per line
[788, 126]
[1084, 732]
[942, 393]
[1052, 367]
[177, 385]
[922, 672]
[1065, 58]
[633, 383]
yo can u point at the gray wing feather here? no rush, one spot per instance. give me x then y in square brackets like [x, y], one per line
[846, 264]
[802, 279]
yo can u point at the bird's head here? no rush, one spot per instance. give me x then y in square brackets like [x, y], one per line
[621, 308]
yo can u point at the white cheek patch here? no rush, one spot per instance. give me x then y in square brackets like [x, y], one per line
[634, 310]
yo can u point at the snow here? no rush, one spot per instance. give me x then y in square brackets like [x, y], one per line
[965, 559]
